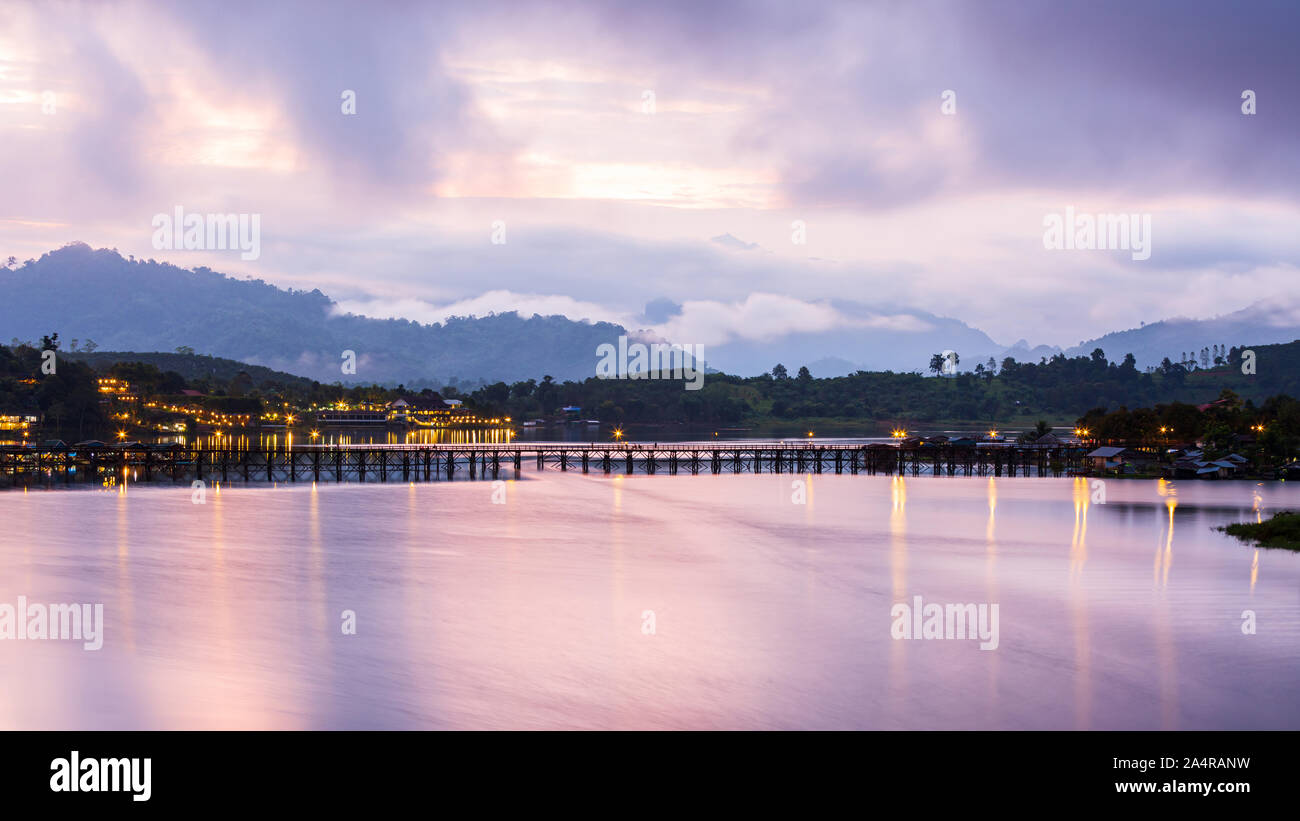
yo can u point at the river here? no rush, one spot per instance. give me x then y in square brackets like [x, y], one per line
[572, 601]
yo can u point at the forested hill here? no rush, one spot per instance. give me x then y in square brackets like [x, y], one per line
[1060, 389]
[214, 371]
[134, 305]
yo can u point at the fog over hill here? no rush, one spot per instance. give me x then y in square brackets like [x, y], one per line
[136, 305]
[133, 305]
[1266, 322]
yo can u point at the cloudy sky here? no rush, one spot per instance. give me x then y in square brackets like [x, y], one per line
[668, 152]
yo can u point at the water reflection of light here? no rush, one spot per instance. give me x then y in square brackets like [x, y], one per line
[898, 533]
[991, 590]
[1254, 571]
[993, 506]
[1165, 557]
[619, 606]
[1079, 540]
[1164, 640]
[218, 579]
[898, 575]
[808, 500]
[1079, 607]
[316, 573]
[124, 600]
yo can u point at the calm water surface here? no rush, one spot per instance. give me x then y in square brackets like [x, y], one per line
[767, 613]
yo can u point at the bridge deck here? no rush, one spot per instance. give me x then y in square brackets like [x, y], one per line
[24, 466]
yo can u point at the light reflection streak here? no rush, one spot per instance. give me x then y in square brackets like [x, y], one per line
[1079, 607]
[898, 576]
[991, 591]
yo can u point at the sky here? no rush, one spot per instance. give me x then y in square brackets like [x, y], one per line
[673, 154]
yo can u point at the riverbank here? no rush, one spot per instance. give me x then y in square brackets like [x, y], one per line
[1281, 530]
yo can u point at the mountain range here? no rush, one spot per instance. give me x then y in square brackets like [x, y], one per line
[128, 304]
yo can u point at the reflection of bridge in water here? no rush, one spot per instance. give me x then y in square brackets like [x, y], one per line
[24, 466]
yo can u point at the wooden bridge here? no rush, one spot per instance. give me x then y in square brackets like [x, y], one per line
[109, 464]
